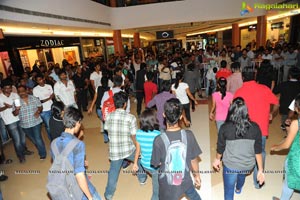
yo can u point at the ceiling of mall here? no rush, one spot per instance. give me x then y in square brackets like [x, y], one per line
[180, 30]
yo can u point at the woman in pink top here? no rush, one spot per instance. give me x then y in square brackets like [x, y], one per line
[221, 103]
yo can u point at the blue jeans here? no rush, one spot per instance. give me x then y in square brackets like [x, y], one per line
[214, 82]
[34, 134]
[155, 184]
[114, 172]
[18, 137]
[232, 179]
[46, 115]
[286, 192]
[4, 136]
[219, 124]
[256, 184]
[96, 196]
[105, 134]
[192, 194]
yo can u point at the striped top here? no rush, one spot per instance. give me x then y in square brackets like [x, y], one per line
[145, 139]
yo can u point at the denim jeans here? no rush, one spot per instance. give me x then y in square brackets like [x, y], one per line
[286, 192]
[34, 134]
[96, 196]
[219, 124]
[18, 137]
[192, 194]
[214, 82]
[232, 179]
[256, 184]
[105, 134]
[155, 184]
[114, 172]
[4, 134]
[46, 115]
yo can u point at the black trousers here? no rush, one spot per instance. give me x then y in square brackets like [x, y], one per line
[186, 108]
[81, 96]
[139, 98]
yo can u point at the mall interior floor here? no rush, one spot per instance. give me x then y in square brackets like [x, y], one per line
[28, 181]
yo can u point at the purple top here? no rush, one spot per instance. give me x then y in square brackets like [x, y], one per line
[159, 101]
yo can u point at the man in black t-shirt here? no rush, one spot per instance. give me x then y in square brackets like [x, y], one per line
[288, 90]
[172, 114]
[81, 85]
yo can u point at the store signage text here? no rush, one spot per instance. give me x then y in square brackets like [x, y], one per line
[52, 43]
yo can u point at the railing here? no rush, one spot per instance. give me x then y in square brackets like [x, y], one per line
[125, 3]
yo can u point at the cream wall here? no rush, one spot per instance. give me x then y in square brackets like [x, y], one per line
[58, 55]
[247, 37]
[129, 17]
[71, 8]
[32, 56]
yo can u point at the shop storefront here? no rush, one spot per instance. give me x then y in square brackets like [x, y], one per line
[5, 61]
[277, 33]
[27, 50]
[248, 35]
[169, 46]
[93, 48]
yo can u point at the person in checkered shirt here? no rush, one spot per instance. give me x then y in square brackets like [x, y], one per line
[121, 127]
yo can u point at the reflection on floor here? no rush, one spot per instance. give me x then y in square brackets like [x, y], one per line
[27, 181]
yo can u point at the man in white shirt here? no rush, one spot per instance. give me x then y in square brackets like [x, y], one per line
[250, 53]
[267, 55]
[45, 93]
[8, 101]
[64, 90]
[117, 88]
[95, 77]
[244, 60]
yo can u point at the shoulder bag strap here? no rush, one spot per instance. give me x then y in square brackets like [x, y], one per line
[54, 147]
[70, 146]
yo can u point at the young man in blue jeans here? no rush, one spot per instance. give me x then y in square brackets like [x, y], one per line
[167, 191]
[72, 122]
[121, 127]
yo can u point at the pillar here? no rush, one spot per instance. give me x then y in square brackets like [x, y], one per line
[113, 3]
[261, 31]
[136, 40]
[235, 34]
[220, 39]
[117, 37]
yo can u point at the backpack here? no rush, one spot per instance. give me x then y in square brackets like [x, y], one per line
[293, 160]
[108, 105]
[175, 162]
[62, 183]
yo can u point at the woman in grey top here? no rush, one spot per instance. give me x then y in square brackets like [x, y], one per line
[239, 145]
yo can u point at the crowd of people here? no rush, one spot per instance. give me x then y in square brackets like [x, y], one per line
[242, 83]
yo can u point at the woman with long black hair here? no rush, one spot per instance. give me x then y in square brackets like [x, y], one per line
[239, 146]
[182, 92]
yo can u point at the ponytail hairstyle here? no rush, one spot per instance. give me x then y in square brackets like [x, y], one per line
[222, 82]
[179, 76]
[238, 115]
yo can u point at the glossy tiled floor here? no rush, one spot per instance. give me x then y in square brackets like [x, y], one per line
[27, 181]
